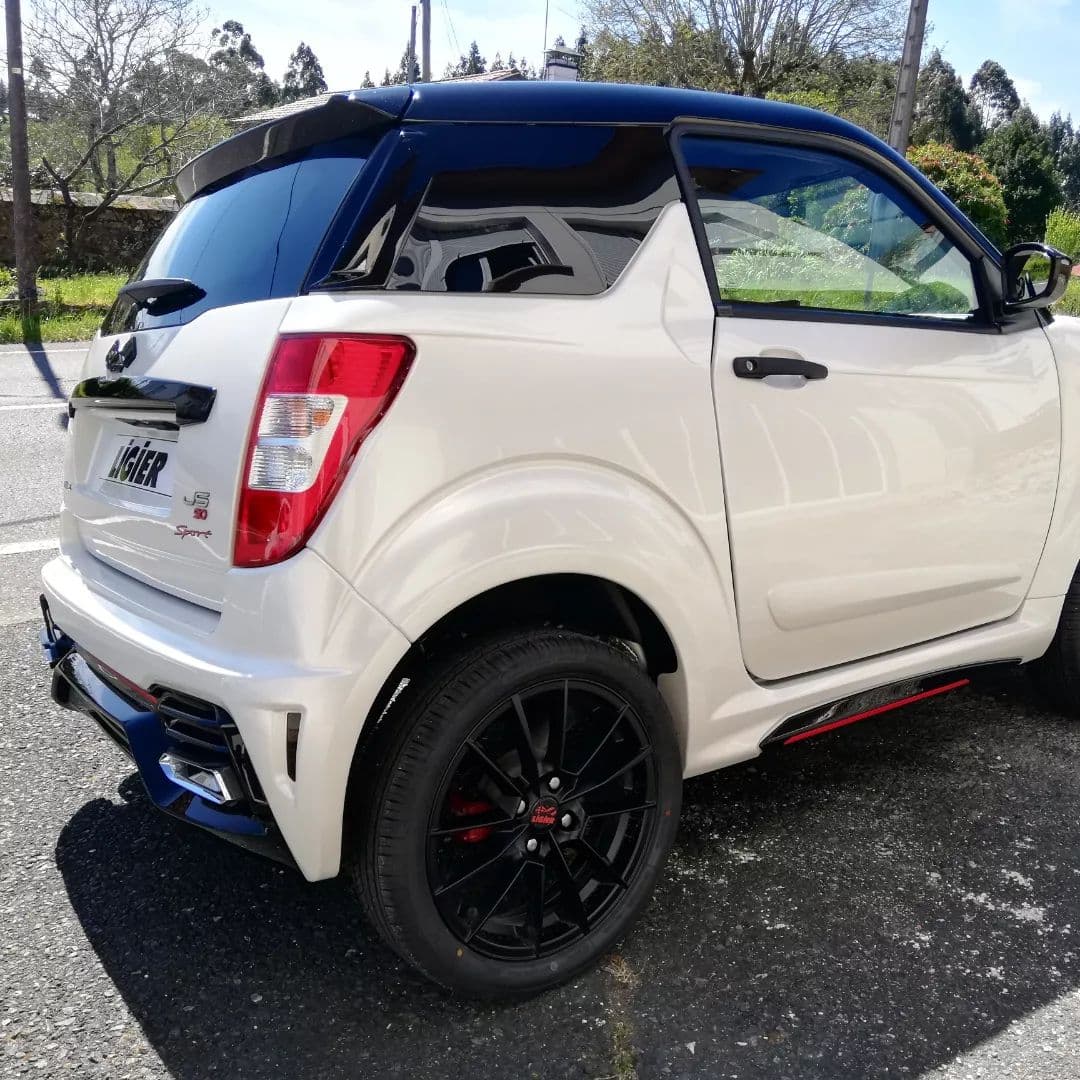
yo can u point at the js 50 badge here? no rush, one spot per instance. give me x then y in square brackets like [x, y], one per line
[200, 502]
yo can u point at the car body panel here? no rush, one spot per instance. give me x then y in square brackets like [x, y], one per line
[180, 543]
[904, 497]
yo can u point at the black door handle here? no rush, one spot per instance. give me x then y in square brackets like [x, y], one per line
[761, 367]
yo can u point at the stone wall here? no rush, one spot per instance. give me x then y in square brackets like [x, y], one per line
[115, 240]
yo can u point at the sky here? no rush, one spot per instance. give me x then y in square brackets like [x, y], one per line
[1037, 41]
[371, 35]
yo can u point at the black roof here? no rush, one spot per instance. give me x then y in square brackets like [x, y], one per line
[528, 102]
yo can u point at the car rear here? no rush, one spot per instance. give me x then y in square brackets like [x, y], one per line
[184, 613]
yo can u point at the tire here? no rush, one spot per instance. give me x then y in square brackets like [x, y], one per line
[473, 865]
[1056, 673]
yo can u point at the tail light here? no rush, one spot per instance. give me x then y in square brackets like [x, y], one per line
[322, 396]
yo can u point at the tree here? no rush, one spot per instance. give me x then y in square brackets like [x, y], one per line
[1019, 155]
[944, 113]
[471, 63]
[241, 66]
[993, 94]
[119, 97]
[366, 83]
[1065, 148]
[970, 184]
[406, 72]
[304, 77]
[749, 47]
[685, 56]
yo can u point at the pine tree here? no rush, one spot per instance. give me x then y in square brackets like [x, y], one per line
[304, 77]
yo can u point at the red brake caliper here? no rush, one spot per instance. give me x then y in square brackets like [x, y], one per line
[462, 807]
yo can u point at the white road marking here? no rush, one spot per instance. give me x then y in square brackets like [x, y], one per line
[20, 547]
[35, 405]
[46, 350]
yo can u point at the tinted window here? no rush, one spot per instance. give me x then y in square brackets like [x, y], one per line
[537, 209]
[249, 240]
[803, 228]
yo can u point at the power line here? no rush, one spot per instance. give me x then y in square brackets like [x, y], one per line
[450, 23]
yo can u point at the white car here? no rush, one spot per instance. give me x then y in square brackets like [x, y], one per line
[466, 465]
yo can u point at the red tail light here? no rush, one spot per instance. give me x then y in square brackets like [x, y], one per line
[322, 395]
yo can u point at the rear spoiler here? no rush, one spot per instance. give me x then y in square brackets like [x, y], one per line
[331, 117]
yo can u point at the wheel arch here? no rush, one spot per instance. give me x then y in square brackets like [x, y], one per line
[586, 603]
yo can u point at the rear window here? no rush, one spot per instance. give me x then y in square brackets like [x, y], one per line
[253, 238]
[536, 209]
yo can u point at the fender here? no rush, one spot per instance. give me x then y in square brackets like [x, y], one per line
[545, 516]
[1061, 553]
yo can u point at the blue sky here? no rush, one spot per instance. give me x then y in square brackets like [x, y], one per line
[1037, 41]
[350, 38]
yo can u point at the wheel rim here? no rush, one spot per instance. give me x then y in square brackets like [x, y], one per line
[542, 820]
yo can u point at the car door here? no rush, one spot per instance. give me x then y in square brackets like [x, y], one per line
[890, 453]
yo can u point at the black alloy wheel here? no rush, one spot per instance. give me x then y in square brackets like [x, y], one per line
[527, 796]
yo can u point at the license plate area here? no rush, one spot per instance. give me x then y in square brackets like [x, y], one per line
[136, 466]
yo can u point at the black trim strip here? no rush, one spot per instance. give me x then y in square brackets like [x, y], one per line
[192, 404]
[879, 699]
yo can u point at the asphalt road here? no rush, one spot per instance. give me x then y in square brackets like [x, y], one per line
[898, 899]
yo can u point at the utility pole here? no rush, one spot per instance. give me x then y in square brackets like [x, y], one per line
[543, 53]
[904, 105]
[25, 260]
[412, 46]
[425, 41]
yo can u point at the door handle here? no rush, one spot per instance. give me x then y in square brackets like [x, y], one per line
[761, 367]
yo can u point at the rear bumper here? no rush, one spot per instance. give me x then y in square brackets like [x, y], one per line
[293, 644]
[142, 734]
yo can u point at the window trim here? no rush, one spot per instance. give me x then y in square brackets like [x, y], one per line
[979, 258]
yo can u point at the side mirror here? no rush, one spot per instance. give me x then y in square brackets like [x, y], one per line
[1034, 276]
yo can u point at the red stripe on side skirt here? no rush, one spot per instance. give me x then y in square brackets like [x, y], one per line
[874, 712]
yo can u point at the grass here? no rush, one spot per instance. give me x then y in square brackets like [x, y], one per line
[71, 308]
[1069, 304]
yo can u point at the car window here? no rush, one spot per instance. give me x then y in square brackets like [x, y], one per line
[547, 209]
[805, 228]
[251, 238]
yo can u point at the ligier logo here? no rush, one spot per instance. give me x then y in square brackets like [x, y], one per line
[544, 813]
[138, 464]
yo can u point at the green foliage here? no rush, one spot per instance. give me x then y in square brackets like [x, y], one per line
[1063, 232]
[1065, 148]
[71, 308]
[1020, 155]
[944, 112]
[239, 65]
[1069, 304]
[686, 57]
[967, 180]
[471, 63]
[304, 77]
[994, 94]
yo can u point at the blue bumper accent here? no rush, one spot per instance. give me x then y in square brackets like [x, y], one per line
[143, 736]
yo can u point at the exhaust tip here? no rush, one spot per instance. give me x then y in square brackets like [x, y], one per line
[216, 784]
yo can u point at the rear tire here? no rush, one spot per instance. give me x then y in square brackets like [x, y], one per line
[1056, 673]
[524, 798]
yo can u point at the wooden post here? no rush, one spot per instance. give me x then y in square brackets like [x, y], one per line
[904, 103]
[425, 41]
[412, 72]
[23, 225]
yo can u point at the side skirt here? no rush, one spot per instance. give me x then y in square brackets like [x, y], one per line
[881, 699]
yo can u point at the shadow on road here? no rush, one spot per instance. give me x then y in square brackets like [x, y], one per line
[39, 354]
[869, 904]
